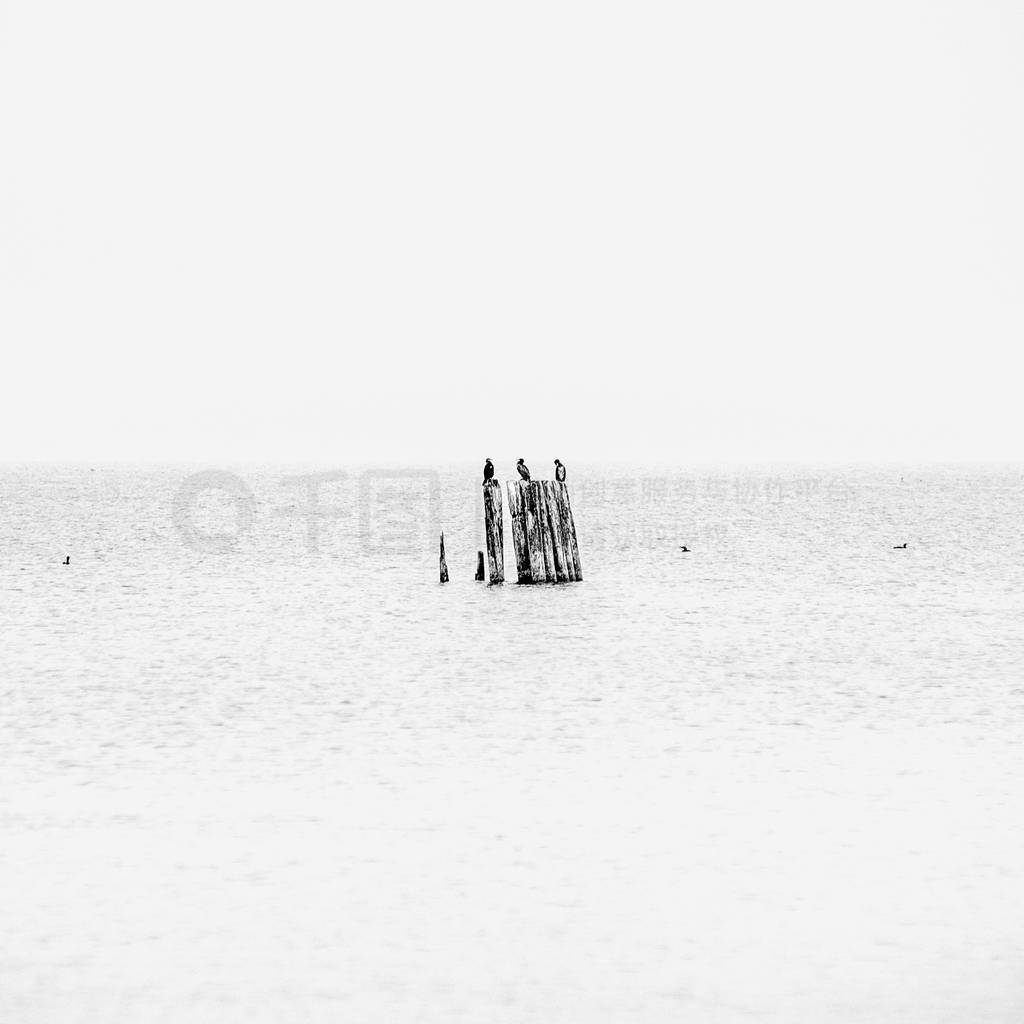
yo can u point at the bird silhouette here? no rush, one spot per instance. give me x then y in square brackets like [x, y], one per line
[559, 471]
[900, 547]
[488, 470]
[524, 470]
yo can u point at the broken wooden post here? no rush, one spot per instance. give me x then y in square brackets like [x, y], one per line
[444, 564]
[493, 529]
[543, 531]
[479, 566]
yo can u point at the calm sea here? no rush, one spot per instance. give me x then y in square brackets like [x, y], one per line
[256, 765]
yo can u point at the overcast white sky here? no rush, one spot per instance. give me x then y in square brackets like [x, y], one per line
[434, 231]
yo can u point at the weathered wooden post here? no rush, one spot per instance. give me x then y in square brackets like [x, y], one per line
[517, 510]
[494, 531]
[479, 566]
[547, 546]
[444, 564]
[533, 538]
[562, 530]
[552, 526]
[570, 528]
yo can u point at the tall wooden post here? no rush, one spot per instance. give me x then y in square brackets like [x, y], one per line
[570, 527]
[494, 530]
[544, 518]
[562, 528]
[534, 541]
[444, 564]
[517, 510]
[553, 527]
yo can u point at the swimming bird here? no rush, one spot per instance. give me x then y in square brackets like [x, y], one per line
[488, 470]
[524, 471]
[900, 547]
[685, 548]
[67, 561]
[559, 471]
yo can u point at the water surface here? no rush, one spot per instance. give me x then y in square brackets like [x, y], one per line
[289, 777]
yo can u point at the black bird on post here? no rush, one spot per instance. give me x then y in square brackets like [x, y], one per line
[524, 471]
[559, 471]
[488, 470]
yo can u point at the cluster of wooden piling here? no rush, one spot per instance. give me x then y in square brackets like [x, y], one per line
[543, 533]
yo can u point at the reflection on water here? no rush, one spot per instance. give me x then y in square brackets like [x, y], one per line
[778, 778]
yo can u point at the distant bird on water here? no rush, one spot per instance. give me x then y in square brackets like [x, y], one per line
[524, 470]
[685, 548]
[67, 560]
[488, 470]
[900, 547]
[559, 471]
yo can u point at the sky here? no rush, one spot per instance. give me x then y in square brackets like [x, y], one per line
[679, 232]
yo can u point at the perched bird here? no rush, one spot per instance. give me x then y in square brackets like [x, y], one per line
[900, 547]
[488, 470]
[559, 471]
[524, 471]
